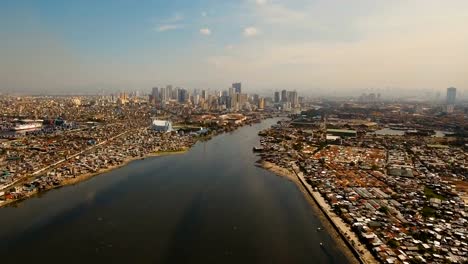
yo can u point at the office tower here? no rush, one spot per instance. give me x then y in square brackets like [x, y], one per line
[228, 102]
[183, 96]
[277, 97]
[256, 98]
[284, 96]
[294, 99]
[237, 87]
[204, 94]
[232, 91]
[451, 95]
[243, 98]
[261, 103]
[196, 99]
[163, 95]
[155, 93]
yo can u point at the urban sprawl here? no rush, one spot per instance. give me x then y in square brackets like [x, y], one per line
[390, 176]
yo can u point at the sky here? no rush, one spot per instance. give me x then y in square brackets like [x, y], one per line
[312, 46]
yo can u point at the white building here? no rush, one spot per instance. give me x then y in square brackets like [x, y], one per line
[161, 125]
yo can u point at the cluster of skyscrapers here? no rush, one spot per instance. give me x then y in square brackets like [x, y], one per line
[231, 99]
[286, 99]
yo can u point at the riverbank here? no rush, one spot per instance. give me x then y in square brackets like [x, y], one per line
[87, 176]
[358, 249]
[351, 246]
[83, 177]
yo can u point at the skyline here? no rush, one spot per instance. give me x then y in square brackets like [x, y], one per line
[308, 46]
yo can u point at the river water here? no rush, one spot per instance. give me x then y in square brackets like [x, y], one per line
[209, 205]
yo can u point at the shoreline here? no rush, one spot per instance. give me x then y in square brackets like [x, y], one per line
[322, 212]
[126, 161]
[86, 176]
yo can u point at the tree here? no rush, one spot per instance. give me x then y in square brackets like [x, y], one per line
[393, 243]
[383, 209]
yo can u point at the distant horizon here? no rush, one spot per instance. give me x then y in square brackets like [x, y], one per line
[386, 94]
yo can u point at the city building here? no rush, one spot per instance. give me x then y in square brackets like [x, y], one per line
[261, 103]
[342, 132]
[161, 125]
[277, 97]
[163, 94]
[155, 92]
[237, 87]
[183, 96]
[451, 95]
[284, 96]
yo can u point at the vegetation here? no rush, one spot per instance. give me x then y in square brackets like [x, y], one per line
[431, 194]
[384, 209]
[321, 146]
[297, 146]
[423, 236]
[393, 243]
[428, 211]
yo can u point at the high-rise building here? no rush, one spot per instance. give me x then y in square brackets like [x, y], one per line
[261, 103]
[243, 99]
[163, 94]
[175, 93]
[294, 99]
[183, 96]
[277, 97]
[196, 99]
[155, 93]
[451, 95]
[256, 98]
[284, 96]
[204, 94]
[237, 87]
[232, 91]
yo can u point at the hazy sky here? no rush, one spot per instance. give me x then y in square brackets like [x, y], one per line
[313, 45]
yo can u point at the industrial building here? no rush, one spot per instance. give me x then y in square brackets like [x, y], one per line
[161, 125]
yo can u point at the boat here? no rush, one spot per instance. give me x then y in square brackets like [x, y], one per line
[258, 149]
[27, 126]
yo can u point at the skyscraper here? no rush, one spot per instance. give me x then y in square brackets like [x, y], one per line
[277, 97]
[284, 96]
[294, 99]
[155, 92]
[183, 96]
[204, 94]
[261, 103]
[237, 87]
[232, 91]
[451, 95]
[163, 95]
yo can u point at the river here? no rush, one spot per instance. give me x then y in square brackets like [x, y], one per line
[209, 205]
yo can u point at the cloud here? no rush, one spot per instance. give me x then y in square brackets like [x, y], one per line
[250, 31]
[205, 31]
[204, 14]
[229, 47]
[167, 27]
[170, 23]
[275, 13]
[175, 18]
